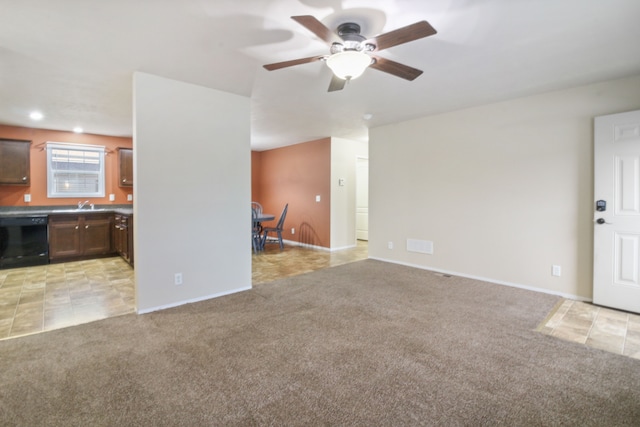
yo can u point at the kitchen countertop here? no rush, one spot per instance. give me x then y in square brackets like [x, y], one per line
[12, 211]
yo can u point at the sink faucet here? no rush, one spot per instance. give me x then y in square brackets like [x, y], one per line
[81, 204]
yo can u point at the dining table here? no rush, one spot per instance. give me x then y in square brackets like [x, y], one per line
[262, 217]
[258, 220]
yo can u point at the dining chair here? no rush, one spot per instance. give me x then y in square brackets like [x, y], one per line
[277, 229]
[257, 206]
[256, 238]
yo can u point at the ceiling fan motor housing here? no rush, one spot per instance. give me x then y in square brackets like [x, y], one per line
[350, 33]
[348, 29]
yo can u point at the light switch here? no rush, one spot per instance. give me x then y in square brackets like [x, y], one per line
[318, 198]
[341, 182]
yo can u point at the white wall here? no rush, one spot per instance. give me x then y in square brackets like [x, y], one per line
[343, 198]
[192, 192]
[503, 190]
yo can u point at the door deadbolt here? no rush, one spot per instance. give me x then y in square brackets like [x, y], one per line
[600, 221]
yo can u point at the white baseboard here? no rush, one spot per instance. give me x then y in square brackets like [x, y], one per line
[421, 267]
[321, 248]
[489, 280]
[177, 304]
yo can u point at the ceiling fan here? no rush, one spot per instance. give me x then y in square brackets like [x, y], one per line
[351, 53]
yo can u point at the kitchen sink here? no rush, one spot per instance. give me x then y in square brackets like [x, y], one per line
[77, 210]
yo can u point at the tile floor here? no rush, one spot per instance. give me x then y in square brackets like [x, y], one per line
[272, 264]
[598, 327]
[46, 297]
[42, 298]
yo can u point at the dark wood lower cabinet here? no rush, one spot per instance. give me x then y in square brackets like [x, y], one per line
[123, 236]
[64, 237]
[96, 235]
[80, 236]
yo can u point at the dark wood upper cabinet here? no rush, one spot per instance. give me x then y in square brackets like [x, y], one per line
[14, 161]
[125, 162]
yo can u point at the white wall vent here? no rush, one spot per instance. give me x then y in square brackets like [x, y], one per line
[420, 246]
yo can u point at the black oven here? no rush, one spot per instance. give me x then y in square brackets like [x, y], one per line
[23, 241]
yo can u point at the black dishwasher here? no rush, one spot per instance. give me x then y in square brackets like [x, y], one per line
[23, 241]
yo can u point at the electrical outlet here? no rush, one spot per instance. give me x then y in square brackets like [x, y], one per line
[318, 198]
[27, 198]
[390, 245]
[293, 231]
[556, 270]
[112, 197]
[177, 279]
[129, 197]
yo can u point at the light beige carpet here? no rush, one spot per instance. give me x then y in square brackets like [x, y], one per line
[367, 343]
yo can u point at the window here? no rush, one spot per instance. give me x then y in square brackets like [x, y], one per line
[75, 170]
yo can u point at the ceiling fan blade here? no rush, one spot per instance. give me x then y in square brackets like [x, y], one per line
[395, 68]
[317, 28]
[284, 64]
[336, 83]
[402, 35]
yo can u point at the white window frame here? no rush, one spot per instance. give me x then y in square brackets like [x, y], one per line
[51, 173]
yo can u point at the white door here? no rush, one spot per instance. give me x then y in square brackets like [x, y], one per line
[616, 235]
[362, 199]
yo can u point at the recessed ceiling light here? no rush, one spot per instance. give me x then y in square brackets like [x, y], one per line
[78, 129]
[367, 116]
[36, 115]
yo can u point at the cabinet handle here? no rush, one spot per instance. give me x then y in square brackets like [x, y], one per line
[24, 178]
[124, 180]
[86, 226]
[76, 227]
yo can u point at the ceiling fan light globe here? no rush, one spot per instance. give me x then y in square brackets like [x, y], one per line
[349, 64]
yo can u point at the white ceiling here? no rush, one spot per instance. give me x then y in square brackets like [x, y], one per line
[73, 59]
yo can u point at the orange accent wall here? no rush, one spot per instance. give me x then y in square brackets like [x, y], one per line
[13, 195]
[295, 175]
[256, 168]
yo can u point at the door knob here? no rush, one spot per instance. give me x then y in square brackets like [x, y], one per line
[600, 221]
